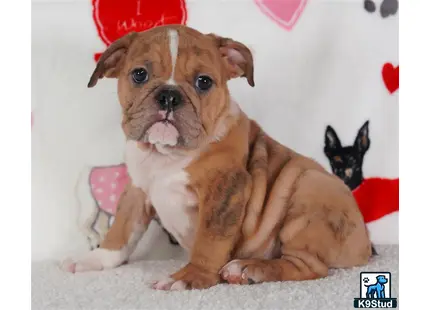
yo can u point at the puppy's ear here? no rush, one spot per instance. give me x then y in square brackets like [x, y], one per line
[110, 63]
[236, 57]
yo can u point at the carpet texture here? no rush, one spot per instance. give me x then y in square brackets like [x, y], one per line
[127, 288]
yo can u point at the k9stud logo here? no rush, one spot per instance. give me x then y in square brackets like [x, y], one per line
[375, 291]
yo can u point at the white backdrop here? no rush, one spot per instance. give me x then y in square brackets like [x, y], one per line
[326, 70]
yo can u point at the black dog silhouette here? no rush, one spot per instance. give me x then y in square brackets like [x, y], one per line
[346, 162]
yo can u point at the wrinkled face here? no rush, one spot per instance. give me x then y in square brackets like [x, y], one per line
[172, 83]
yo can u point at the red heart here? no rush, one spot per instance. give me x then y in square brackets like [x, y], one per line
[377, 197]
[115, 18]
[390, 74]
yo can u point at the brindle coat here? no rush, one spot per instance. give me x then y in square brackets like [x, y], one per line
[258, 210]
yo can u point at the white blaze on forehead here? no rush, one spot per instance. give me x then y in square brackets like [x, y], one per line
[173, 43]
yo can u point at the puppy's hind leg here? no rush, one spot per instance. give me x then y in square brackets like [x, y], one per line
[294, 266]
[131, 221]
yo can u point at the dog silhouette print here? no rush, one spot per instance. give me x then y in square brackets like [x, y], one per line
[375, 196]
[377, 290]
[346, 162]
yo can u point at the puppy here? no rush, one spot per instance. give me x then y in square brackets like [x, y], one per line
[248, 209]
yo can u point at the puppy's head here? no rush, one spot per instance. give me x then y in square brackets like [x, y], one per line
[172, 83]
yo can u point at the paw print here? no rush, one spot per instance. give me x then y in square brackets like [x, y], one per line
[366, 280]
[387, 8]
[369, 6]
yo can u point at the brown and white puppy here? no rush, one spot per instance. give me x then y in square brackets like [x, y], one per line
[247, 208]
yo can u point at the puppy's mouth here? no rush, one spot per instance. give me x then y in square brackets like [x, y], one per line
[163, 133]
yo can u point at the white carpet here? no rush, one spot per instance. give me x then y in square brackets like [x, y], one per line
[127, 288]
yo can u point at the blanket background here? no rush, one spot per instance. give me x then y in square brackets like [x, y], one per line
[318, 63]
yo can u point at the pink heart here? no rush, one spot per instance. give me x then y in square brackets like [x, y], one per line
[284, 12]
[107, 185]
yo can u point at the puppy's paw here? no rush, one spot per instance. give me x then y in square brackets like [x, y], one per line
[241, 272]
[189, 277]
[97, 259]
[232, 272]
[169, 284]
[68, 265]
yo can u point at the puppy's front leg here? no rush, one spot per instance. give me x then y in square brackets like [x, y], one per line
[131, 221]
[221, 210]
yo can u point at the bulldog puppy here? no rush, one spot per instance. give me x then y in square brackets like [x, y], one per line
[247, 208]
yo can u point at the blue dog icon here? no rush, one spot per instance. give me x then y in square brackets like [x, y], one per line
[378, 288]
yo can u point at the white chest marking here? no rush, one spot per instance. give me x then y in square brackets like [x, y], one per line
[164, 181]
[173, 43]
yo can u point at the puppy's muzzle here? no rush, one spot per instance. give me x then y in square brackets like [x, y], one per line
[169, 98]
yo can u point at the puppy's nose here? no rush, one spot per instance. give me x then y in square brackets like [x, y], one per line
[169, 98]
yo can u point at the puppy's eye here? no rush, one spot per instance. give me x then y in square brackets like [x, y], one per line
[139, 75]
[203, 82]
